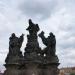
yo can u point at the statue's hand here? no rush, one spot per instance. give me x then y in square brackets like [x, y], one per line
[41, 34]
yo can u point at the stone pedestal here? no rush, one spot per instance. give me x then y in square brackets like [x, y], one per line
[30, 69]
[49, 69]
[40, 69]
[12, 69]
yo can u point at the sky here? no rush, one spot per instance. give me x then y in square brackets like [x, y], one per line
[57, 16]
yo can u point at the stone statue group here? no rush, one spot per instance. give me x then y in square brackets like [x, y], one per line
[32, 49]
[35, 61]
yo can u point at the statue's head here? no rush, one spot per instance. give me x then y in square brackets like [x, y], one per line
[30, 24]
[51, 34]
[13, 35]
[30, 20]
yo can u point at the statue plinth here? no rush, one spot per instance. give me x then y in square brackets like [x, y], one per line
[33, 62]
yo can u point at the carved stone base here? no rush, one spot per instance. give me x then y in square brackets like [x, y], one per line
[49, 69]
[32, 69]
[40, 69]
[12, 69]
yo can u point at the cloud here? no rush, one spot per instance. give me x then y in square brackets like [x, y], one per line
[51, 15]
[39, 9]
[10, 22]
[69, 55]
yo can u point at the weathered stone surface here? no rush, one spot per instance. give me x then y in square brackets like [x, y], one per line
[33, 62]
[12, 69]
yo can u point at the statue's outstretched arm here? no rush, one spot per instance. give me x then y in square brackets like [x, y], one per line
[44, 40]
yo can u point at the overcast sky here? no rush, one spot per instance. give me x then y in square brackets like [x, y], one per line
[57, 16]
